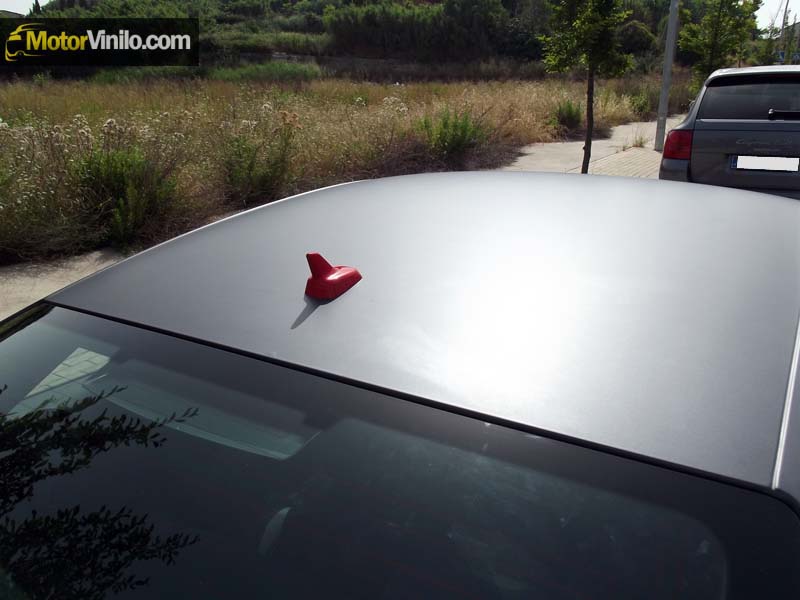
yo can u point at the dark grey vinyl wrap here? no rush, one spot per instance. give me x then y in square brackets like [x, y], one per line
[654, 317]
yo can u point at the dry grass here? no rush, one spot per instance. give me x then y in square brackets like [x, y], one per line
[643, 92]
[521, 110]
[193, 132]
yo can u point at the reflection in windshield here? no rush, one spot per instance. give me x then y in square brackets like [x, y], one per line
[294, 486]
[52, 554]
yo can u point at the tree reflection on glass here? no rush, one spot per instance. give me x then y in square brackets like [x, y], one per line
[70, 554]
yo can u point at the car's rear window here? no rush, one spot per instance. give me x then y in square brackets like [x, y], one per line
[749, 98]
[138, 465]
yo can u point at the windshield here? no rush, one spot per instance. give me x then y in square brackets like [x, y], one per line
[750, 98]
[138, 465]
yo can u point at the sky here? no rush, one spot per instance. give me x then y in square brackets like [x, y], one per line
[18, 6]
[765, 15]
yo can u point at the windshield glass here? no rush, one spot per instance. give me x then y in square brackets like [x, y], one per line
[138, 465]
[751, 98]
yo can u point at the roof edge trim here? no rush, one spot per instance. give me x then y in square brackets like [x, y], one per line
[787, 409]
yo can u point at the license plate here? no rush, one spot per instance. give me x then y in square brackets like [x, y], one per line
[765, 163]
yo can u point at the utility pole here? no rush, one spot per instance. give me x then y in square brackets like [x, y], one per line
[783, 30]
[666, 76]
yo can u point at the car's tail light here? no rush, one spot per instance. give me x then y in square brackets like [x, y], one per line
[678, 144]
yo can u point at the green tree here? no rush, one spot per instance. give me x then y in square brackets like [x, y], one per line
[47, 555]
[474, 26]
[766, 46]
[636, 38]
[585, 36]
[721, 34]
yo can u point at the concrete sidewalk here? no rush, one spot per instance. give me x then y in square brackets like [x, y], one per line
[24, 284]
[616, 155]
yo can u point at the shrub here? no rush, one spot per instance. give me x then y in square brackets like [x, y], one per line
[305, 23]
[135, 208]
[388, 29]
[455, 29]
[473, 28]
[639, 140]
[265, 42]
[635, 38]
[274, 70]
[257, 162]
[64, 189]
[640, 103]
[268, 71]
[42, 78]
[681, 92]
[451, 134]
[568, 115]
[300, 43]
[6, 176]
[644, 99]
[124, 190]
[38, 215]
[221, 142]
[643, 92]
[521, 39]
[134, 74]
[494, 69]
[245, 8]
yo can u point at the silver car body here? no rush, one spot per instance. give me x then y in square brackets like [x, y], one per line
[654, 319]
[717, 141]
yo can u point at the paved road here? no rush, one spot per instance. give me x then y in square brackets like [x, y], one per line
[23, 284]
[615, 155]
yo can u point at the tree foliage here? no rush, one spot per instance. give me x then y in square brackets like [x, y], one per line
[454, 29]
[715, 32]
[585, 36]
[47, 556]
[387, 29]
[636, 38]
[719, 36]
[204, 10]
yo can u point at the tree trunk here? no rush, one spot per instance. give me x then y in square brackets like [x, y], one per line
[587, 146]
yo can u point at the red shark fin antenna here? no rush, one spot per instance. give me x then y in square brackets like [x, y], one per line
[318, 265]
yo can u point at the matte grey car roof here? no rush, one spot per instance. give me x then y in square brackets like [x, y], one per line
[653, 317]
[765, 70]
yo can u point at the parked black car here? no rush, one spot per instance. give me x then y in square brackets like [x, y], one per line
[742, 131]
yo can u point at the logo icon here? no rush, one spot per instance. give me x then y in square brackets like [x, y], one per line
[15, 45]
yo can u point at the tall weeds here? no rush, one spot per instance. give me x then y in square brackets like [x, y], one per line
[257, 159]
[90, 164]
[449, 135]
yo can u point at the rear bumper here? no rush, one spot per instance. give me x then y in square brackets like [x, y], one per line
[674, 169]
[678, 170]
[794, 194]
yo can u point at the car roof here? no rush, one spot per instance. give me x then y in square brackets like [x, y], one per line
[763, 70]
[655, 318]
